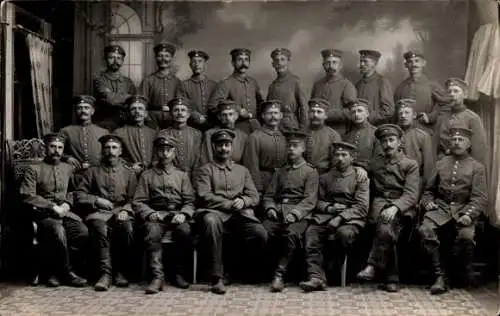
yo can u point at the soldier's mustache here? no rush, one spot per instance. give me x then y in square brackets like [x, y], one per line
[244, 67]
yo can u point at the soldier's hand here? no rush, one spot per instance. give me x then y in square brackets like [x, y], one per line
[430, 206]
[104, 204]
[290, 218]
[464, 220]
[58, 211]
[85, 165]
[202, 119]
[272, 214]
[238, 203]
[179, 218]
[335, 222]
[339, 206]
[423, 118]
[244, 113]
[389, 213]
[165, 108]
[361, 174]
[137, 167]
[122, 216]
[154, 217]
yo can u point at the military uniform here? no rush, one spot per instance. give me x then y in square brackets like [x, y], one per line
[166, 191]
[239, 143]
[416, 144]
[363, 137]
[318, 145]
[336, 186]
[396, 182]
[111, 90]
[44, 186]
[117, 184]
[137, 143]
[458, 187]
[217, 185]
[188, 147]
[339, 92]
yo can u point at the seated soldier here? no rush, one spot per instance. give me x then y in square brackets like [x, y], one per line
[45, 189]
[289, 198]
[343, 203]
[228, 196]
[396, 183]
[163, 201]
[455, 196]
[105, 194]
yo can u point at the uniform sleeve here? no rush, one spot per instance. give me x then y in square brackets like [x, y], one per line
[220, 93]
[479, 149]
[187, 193]
[386, 111]
[105, 93]
[339, 113]
[250, 194]
[308, 203]
[349, 95]
[323, 204]
[141, 198]
[411, 188]
[268, 201]
[430, 187]
[479, 194]
[259, 98]
[145, 87]
[428, 157]
[251, 160]
[204, 190]
[302, 106]
[83, 195]
[131, 187]
[439, 96]
[206, 149]
[28, 191]
[359, 210]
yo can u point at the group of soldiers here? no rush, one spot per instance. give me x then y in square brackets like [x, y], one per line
[262, 178]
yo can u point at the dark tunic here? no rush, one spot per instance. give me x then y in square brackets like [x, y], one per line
[239, 143]
[378, 91]
[417, 145]
[318, 147]
[363, 136]
[188, 147]
[198, 90]
[82, 142]
[160, 89]
[137, 143]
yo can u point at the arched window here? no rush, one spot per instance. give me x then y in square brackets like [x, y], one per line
[126, 30]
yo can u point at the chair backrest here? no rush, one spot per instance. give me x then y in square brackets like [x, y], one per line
[20, 154]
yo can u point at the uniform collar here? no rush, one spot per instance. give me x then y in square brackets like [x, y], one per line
[86, 123]
[164, 169]
[198, 78]
[108, 166]
[337, 173]
[394, 159]
[422, 78]
[334, 77]
[228, 165]
[284, 75]
[162, 75]
[240, 77]
[296, 166]
[374, 76]
[113, 76]
[271, 132]
[360, 126]
[458, 108]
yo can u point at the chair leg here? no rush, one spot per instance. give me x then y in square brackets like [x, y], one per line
[343, 274]
[195, 265]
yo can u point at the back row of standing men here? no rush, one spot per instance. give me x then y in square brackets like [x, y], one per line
[293, 173]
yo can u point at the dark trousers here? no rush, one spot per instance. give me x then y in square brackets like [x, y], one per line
[382, 254]
[284, 241]
[241, 232]
[463, 247]
[112, 239]
[316, 236]
[182, 245]
[58, 238]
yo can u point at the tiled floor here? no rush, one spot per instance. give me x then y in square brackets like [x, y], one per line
[242, 300]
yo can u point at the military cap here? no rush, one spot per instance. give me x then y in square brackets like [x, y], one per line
[83, 98]
[406, 102]
[164, 46]
[264, 106]
[373, 54]
[177, 101]
[50, 137]
[360, 102]
[137, 98]
[412, 54]
[114, 48]
[460, 130]
[240, 51]
[110, 137]
[281, 51]
[295, 134]
[344, 146]
[388, 130]
[164, 139]
[227, 105]
[330, 52]
[319, 103]
[198, 53]
[223, 135]
[456, 82]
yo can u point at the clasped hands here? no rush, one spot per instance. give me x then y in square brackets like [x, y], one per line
[272, 214]
[178, 218]
[464, 220]
[61, 210]
[388, 214]
[106, 205]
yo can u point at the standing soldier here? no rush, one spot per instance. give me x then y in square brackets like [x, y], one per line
[188, 139]
[362, 134]
[455, 196]
[286, 88]
[137, 138]
[428, 95]
[375, 88]
[163, 201]
[111, 89]
[161, 86]
[82, 147]
[343, 203]
[292, 194]
[336, 89]
[415, 143]
[460, 114]
[105, 196]
[265, 150]
[396, 183]
[242, 89]
[227, 114]
[45, 189]
[228, 196]
[320, 137]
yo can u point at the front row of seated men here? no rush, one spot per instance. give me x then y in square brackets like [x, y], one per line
[299, 207]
